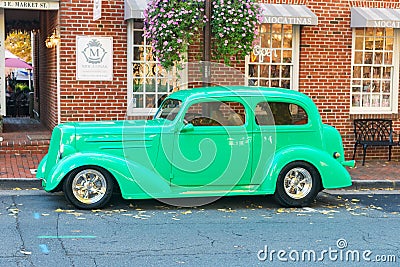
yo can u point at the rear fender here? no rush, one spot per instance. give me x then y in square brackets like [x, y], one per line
[332, 173]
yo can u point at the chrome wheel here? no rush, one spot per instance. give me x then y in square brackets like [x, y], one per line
[297, 183]
[89, 186]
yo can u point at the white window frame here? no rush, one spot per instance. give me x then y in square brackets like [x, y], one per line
[294, 79]
[393, 108]
[131, 111]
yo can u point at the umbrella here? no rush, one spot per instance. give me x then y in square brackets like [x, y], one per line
[12, 61]
[17, 63]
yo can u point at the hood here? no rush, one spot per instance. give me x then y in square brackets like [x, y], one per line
[110, 128]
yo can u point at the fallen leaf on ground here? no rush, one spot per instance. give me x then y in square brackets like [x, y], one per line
[186, 212]
[96, 210]
[227, 210]
[13, 211]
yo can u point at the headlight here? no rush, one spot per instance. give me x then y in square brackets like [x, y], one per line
[336, 155]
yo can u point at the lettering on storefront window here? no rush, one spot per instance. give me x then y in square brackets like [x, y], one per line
[288, 20]
[30, 5]
[264, 52]
[386, 24]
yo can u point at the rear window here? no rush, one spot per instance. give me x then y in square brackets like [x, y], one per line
[280, 113]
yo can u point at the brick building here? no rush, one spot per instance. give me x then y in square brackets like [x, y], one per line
[344, 54]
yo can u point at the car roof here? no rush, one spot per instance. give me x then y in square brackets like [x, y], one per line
[241, 91]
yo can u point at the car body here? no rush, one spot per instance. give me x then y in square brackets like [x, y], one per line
[203, 142]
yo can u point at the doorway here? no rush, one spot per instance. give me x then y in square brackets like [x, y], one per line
[24, 92]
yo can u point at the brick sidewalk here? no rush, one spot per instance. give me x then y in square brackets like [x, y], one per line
[376, 170]
[19, 166]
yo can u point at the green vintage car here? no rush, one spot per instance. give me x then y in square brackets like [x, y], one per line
[205, 142]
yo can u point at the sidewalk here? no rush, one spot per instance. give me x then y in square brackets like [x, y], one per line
[18, 171]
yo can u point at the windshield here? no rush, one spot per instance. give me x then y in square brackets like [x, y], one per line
[169, 109]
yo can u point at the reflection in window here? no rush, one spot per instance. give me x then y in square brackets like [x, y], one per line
[372, 68]
[169, 109]
[271, 62]
[150, 82]
[216, 113]
[280, 113]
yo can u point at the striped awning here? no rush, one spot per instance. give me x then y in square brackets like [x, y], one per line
[363, 17]
[134, 9]
[288, 14]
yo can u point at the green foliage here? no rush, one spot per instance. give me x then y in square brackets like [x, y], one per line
[172, 26]
[234, 27]
[21, 87]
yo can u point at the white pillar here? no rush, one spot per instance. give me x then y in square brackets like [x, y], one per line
[58, 84]
[2, 65]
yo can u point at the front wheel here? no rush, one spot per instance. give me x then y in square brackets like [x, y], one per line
[298, 185]
[88, 187]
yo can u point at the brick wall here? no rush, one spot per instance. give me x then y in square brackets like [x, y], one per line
[92, 100]
[325, 65]
[46, 89]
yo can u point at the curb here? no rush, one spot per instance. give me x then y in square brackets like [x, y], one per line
[374, 184]
[20, 183]
[29, 183]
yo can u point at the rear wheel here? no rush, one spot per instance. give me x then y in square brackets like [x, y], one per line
[298, 185]
[88, 187]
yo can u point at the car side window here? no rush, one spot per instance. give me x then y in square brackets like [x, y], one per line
[280, 113]
[216, 113]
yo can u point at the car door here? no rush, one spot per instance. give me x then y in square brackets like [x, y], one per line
[278, 124]
[214, 147]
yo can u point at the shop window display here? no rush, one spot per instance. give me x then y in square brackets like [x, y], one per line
[373, 65]
[271, 62]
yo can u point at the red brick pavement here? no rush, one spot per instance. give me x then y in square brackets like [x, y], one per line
[376, 170]
[19, 165]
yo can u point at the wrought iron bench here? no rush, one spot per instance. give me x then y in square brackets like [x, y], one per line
[373, 132]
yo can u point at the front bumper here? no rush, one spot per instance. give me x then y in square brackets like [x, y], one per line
[349, 163]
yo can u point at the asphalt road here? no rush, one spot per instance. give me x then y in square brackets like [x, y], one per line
[341, 229]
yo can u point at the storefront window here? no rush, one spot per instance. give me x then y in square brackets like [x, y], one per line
[273, 62]
[149, 82]
[374, 75]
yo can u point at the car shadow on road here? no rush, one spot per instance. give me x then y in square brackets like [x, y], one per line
[210, 203]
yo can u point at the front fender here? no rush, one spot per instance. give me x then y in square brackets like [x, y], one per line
[332, 172]
[134, 180]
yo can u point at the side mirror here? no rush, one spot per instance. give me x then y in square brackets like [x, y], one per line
[187, 128]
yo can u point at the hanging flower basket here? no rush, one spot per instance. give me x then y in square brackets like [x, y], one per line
[234, 28]
[172, 26]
